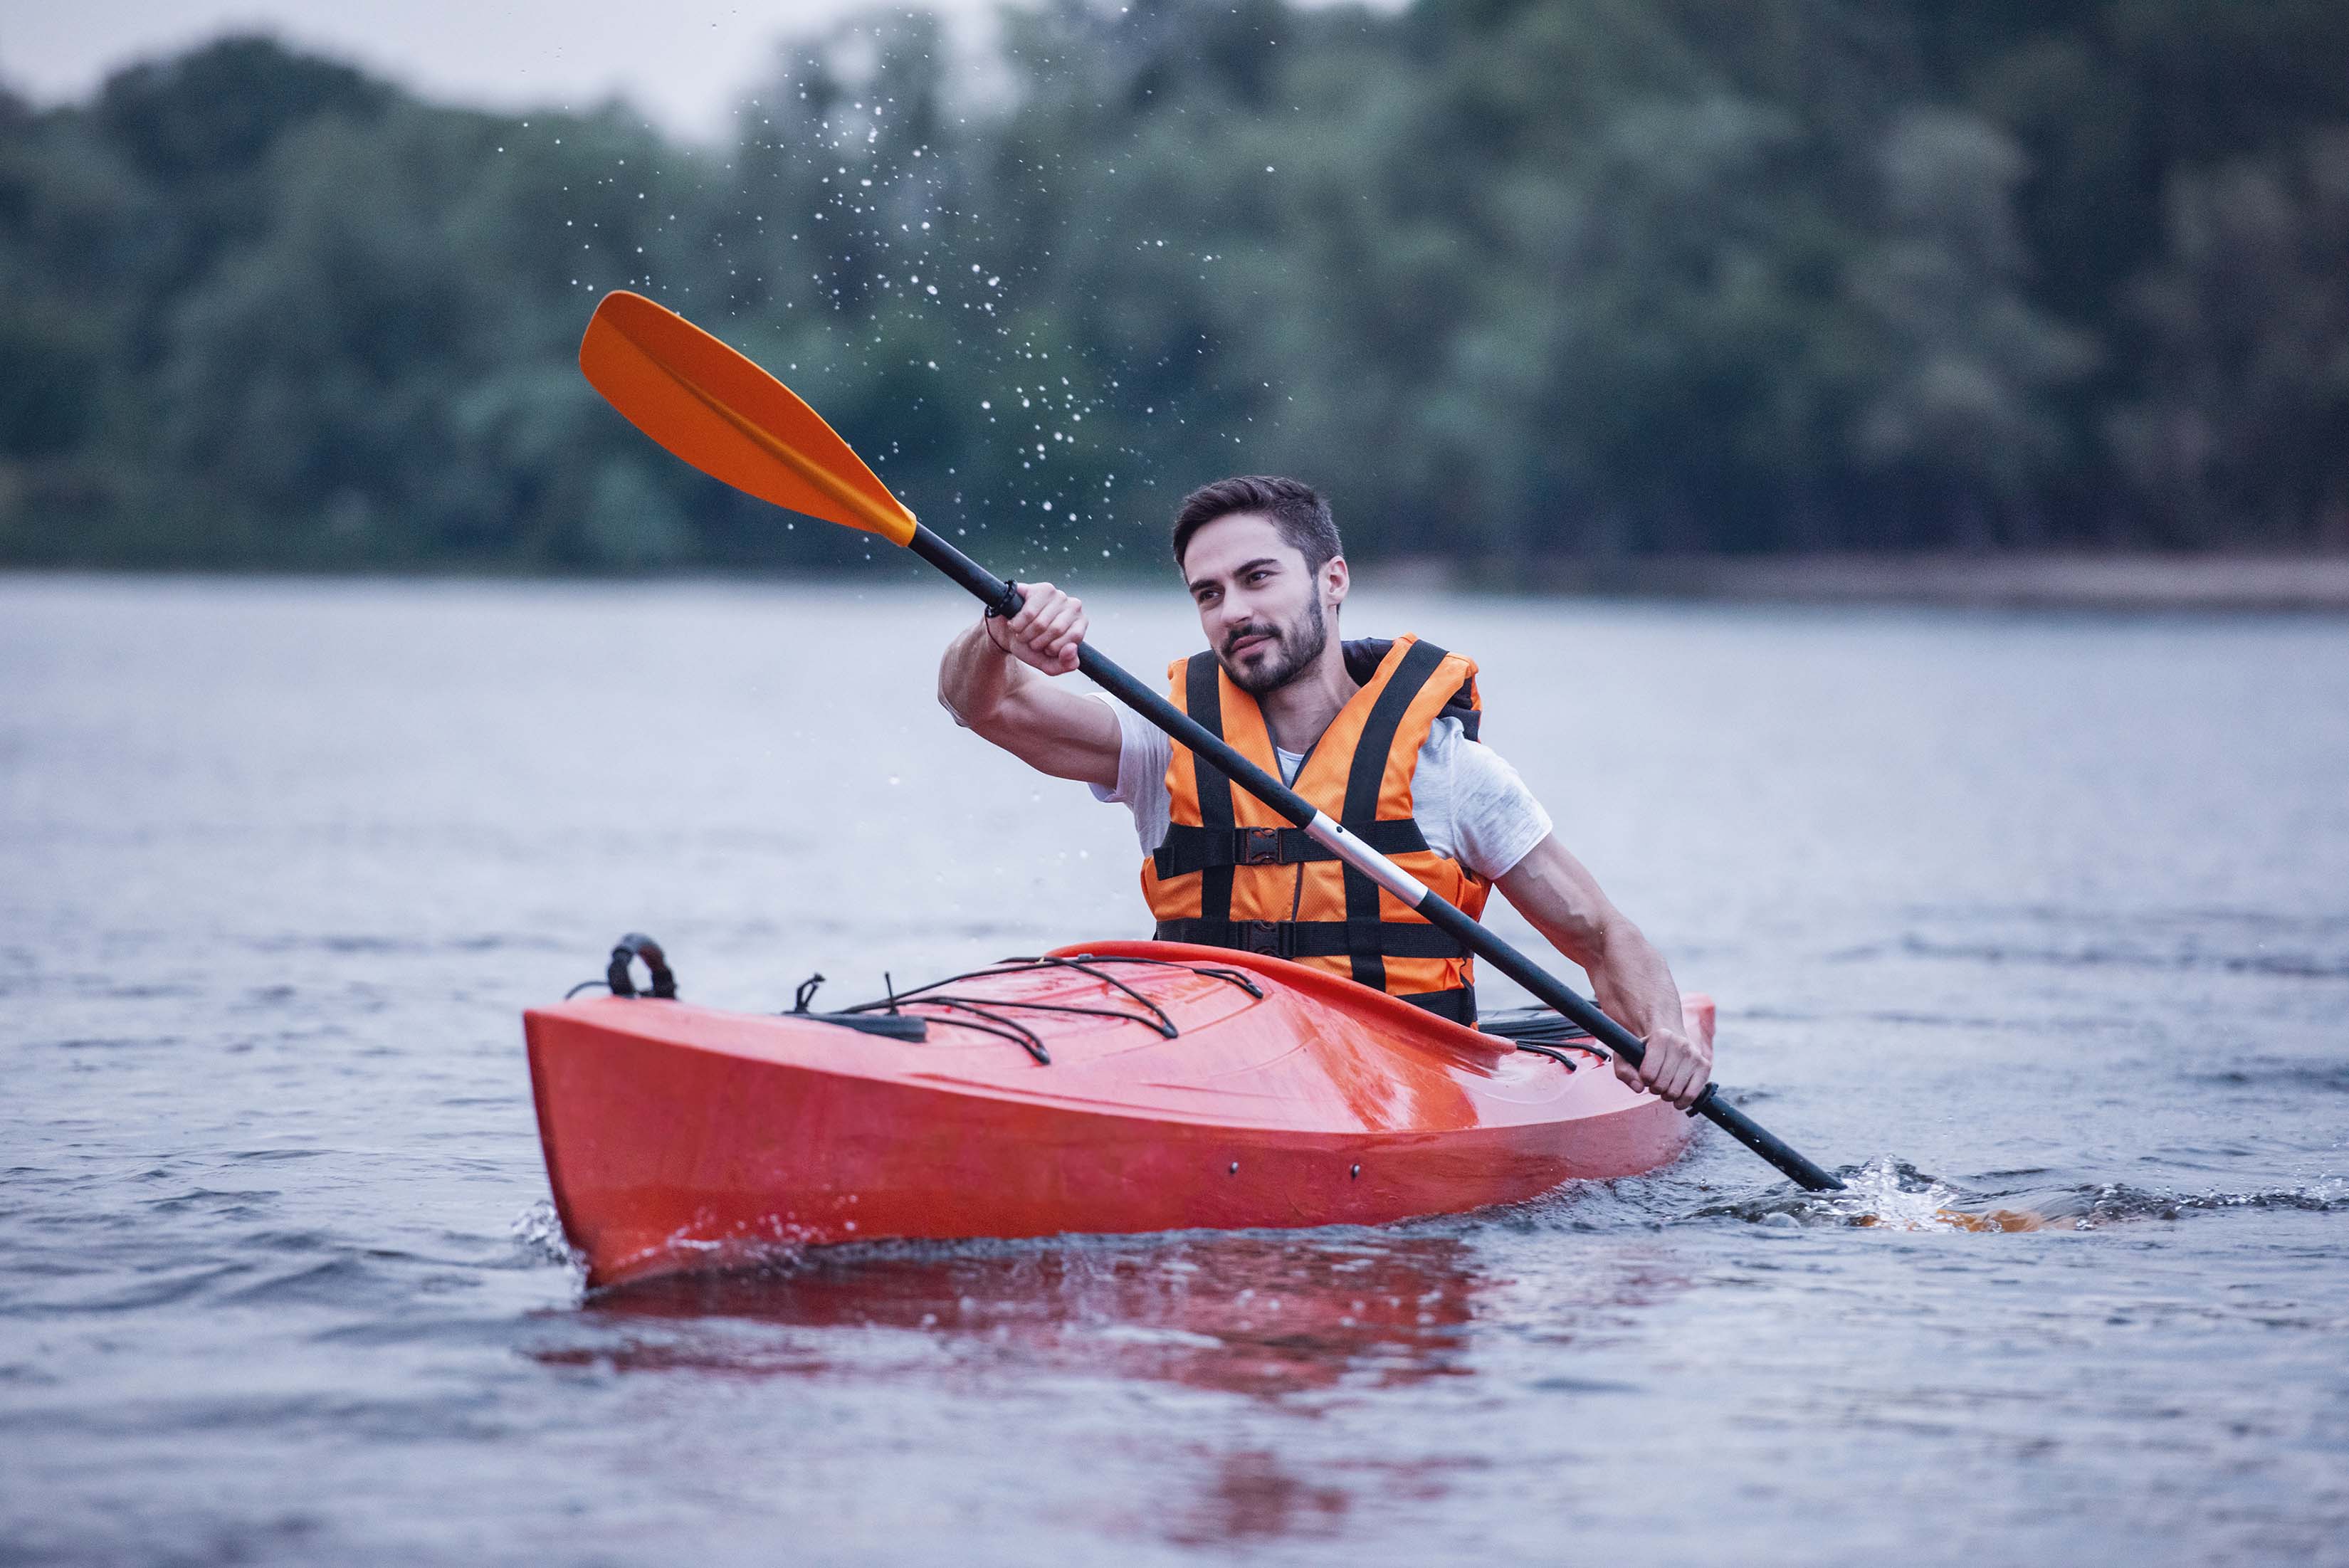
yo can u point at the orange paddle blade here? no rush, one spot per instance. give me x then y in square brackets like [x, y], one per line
[714, 408]
[1996, 1220]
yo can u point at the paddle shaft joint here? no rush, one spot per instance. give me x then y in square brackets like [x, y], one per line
[1005, 600]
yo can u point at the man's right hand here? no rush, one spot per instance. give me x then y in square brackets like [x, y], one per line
[1047, 630]
[1067, 733]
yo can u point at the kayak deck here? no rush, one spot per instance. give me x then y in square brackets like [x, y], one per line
[1113, 1086]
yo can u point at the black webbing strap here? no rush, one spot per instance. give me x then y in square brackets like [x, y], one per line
[1365, 654]
[1187, 849]
[1203, 696]
[1365, 776]
[1459, 1006]
[1317, 938]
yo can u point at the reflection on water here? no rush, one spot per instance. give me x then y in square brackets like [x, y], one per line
[1325, 1327]
[1253, 1498]
[1248, 1313]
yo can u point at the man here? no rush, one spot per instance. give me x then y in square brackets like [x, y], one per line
[1380, 734]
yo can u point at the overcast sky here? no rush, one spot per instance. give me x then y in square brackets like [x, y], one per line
[684, 61]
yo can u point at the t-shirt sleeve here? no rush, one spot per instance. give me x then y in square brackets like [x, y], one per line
[1143, 751]
[1495, 820]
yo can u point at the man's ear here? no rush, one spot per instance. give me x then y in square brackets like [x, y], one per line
[1335, 579]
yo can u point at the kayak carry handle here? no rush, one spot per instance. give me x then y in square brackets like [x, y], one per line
[636, 945]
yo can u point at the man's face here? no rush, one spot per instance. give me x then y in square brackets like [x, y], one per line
[1262, 612]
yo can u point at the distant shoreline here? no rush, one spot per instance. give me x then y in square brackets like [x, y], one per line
[2311, 585]
[2318, 583]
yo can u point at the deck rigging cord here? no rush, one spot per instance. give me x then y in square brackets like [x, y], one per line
[1538, 1030]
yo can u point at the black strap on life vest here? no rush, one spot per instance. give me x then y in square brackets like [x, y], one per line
[1317, 938]
[1188, 849]
[1459, 1003]
[1364, 777]
[1365, 654]
[1203, 695]
[1329, 939]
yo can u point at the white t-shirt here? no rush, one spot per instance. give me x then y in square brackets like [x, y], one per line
[1470, 804]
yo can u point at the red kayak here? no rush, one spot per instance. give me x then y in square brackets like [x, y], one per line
[1114, 1087]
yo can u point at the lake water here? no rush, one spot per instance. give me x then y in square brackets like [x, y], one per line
[2053, 908]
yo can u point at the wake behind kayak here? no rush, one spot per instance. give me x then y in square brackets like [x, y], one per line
[1108, 1087]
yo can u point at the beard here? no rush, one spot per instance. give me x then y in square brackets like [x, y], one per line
[1292, 650]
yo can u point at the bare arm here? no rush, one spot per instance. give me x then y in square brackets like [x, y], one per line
[1634, 987]
[1000, 694]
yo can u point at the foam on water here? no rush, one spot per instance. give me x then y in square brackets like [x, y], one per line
[1890, 1193]
[538, 1236]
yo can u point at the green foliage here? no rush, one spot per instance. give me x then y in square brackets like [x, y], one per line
[1510, 278]
[2239, 436]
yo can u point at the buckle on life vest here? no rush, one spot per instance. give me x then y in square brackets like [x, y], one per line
[1260, 847]
[1264, 936]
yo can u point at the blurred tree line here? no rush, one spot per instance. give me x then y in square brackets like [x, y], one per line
[1510, 279]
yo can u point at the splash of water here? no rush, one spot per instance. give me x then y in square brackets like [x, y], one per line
[537, 1233]
[1891, 1194]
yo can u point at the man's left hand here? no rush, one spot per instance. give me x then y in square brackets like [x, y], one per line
[1675, 1068]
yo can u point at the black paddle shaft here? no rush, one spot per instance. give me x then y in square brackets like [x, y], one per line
[1005, 600]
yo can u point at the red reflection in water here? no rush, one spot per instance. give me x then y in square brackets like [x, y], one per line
[1253, 1498]
[1260, 1315]
[1249, 1313]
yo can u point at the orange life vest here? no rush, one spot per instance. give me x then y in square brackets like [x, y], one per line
[1233, 873]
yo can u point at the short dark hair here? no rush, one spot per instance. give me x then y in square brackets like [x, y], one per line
[1296, 508]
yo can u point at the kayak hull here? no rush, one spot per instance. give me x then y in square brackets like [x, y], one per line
[681, 1137]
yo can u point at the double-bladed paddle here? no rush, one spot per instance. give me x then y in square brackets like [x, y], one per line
[717, 410]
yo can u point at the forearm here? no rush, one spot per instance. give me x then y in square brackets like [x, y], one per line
[1630, 979]
[1633, 984]
[990, 680]
[979, 681]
